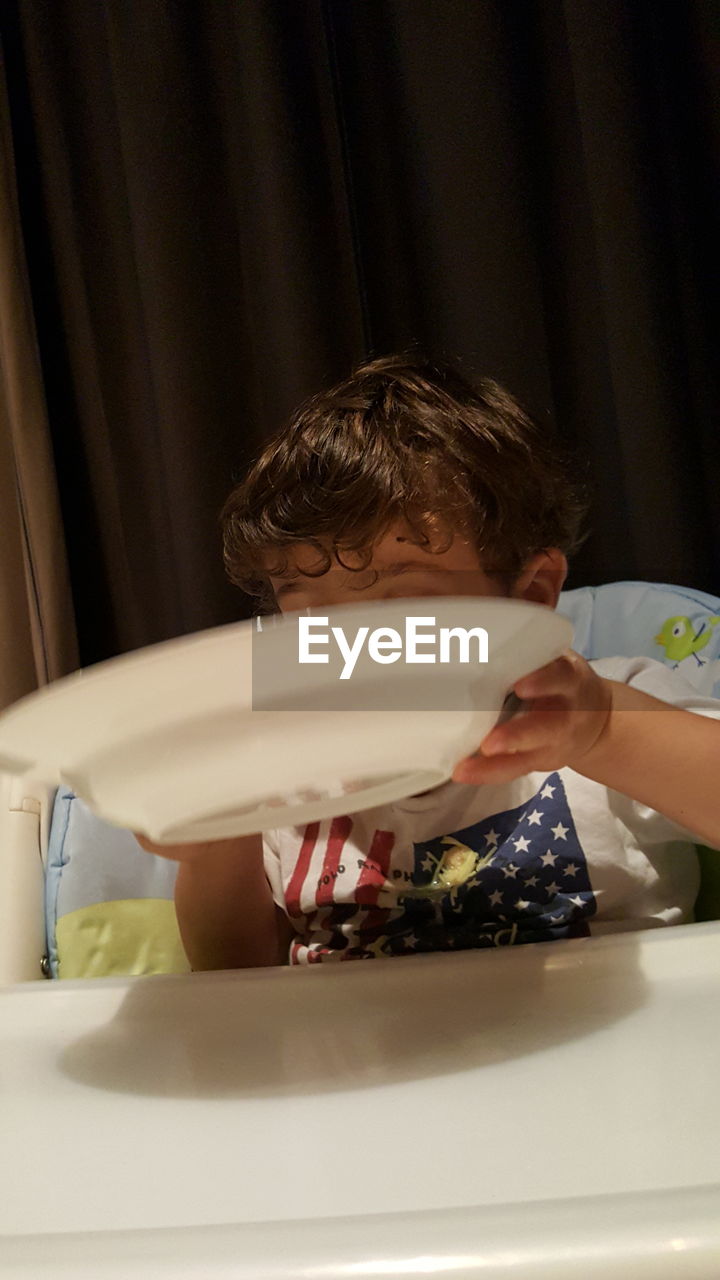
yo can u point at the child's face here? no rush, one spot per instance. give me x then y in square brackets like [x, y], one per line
[400, 569]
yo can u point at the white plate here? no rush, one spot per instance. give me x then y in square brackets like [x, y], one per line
[165, 741]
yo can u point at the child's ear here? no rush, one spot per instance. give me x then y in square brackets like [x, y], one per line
[542, 578]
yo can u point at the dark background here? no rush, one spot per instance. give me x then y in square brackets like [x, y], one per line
[226, 203]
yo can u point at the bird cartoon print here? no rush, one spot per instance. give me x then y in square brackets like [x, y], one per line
[680, 639]
[451, 866]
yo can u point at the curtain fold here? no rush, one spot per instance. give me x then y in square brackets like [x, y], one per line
[37, 630]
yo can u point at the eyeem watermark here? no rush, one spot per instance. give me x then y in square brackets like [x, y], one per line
[439, 654]
[421, 642]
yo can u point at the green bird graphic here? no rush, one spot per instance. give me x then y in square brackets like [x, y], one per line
[450, 871]
[459, 862]
[678, 638]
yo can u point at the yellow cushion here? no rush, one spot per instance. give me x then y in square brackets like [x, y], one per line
[109, 939]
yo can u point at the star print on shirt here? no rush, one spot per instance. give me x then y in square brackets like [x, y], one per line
[547, 868]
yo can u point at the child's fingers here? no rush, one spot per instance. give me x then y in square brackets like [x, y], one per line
[148, 845]
[489, 770]
[558, 678]
[544, 724]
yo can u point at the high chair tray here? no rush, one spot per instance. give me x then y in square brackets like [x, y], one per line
[227, 732]
[541, 1111]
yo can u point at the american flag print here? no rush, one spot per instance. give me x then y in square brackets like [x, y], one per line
[518, 876]
[515, 877]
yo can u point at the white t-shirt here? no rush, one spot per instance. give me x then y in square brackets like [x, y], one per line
[543, 857]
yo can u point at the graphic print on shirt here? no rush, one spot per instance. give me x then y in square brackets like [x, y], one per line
[517, 876]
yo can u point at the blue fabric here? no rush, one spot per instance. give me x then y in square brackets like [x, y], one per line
[674, 625]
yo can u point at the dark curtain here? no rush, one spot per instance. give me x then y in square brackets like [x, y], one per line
[225, 204]
[37, 625]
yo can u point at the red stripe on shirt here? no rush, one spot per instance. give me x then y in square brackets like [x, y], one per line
[300, 870]
[340, 829]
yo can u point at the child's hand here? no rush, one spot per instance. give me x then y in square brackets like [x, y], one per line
[567, 709]
[184, 852]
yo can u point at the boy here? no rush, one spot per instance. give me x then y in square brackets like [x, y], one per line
[572, 817]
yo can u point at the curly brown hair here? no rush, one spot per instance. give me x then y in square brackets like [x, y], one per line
[403, 438]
